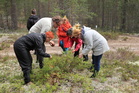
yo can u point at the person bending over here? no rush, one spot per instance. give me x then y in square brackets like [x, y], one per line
[22, 47]
[92, 41]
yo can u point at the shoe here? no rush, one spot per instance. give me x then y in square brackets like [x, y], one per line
[41, 66]
[91, 68]
[94, 74]
[29, 83]
[85, 60]
[85, 57]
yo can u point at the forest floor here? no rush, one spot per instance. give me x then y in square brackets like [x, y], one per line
[131, 42]
[125, 41]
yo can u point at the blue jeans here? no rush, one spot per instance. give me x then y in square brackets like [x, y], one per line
[96, 61]
[62, 46]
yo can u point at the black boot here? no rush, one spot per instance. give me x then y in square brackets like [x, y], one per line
[26, 75]
[85, 57]
[41, 65]
[94, 74]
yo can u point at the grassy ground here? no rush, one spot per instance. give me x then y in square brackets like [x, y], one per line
[65, 74]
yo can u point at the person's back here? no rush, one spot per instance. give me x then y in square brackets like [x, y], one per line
[94, 40]
[43, 25]
[32, 19]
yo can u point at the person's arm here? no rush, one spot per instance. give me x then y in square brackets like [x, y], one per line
[71, 42]
[38, 18]
[88, 43]
[42, 53]
[79, 43]
[28, 25]
[39, 46]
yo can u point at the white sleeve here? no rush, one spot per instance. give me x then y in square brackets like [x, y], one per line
[88, 44]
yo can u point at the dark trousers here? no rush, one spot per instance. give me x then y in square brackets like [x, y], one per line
[25, 61]
[40, 58]
[96, 62]
[85, 57]
[76, 53]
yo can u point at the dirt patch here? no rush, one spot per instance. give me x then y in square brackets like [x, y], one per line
[3, 38]
[131, 42]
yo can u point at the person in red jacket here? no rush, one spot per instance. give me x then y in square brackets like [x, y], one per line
[78, 43]
[62, 35]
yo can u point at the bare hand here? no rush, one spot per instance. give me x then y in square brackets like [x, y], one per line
[50, 57]
[69, 48]
[73, 51]
[81, 55]
[52, 43]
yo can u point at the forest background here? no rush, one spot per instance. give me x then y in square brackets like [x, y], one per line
[108, 15]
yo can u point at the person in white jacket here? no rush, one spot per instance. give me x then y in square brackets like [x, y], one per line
[93, 41]
[44, 25]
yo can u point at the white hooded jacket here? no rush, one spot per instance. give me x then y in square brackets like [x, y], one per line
[94, 41]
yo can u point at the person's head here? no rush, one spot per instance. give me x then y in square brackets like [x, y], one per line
[33, 11]
[57, 21]
[49, 36]
[65, 19]
[69, 32]
[76, 31]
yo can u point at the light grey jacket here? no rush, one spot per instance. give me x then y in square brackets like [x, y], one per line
[94, 41]
[42, 26]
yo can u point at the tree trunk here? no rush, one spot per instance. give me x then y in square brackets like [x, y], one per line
[48, 8]
[39, 9]
[1, 23]
[123, 16]
[13, 15]
[25, 10]
[102, 13]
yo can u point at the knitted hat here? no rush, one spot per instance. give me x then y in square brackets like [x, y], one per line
[49, 34]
